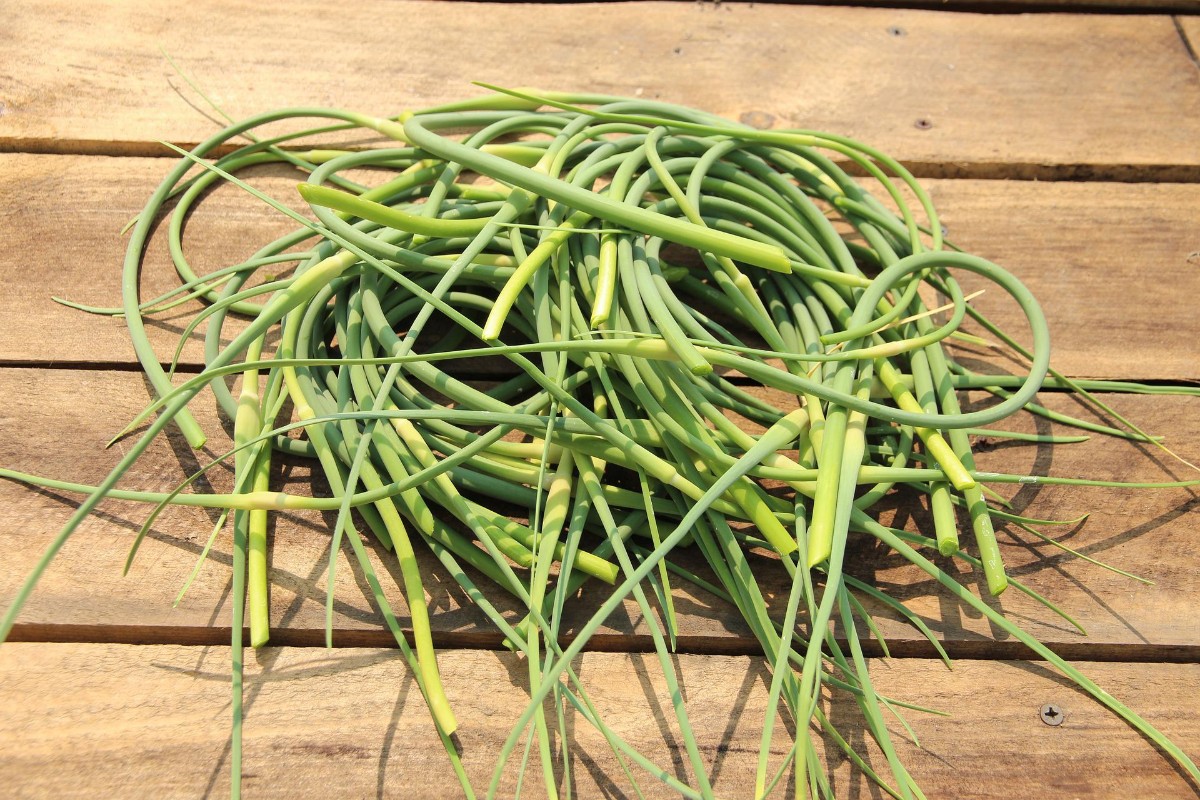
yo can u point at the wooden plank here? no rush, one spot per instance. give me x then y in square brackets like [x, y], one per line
[953, 94]
[1069, 242]
[1131, 529]
[82, 596]
[109, 720]
[1097, 256]
[91, 592]
[75, 252]
[84, 590]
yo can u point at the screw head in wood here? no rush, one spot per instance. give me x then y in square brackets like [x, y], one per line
[1052, 715]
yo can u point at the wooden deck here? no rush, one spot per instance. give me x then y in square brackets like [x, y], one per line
[1065, 146]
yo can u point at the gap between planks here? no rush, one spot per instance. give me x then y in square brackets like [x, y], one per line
[956, 650]
[483, 374]
[995, 7]
[922, 170]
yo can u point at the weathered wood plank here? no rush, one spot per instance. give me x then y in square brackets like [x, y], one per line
[40, 405]
[110, 720]
[65, 241]
[957, 94]
[1072, 243]
[1132, 529]
[1099, 258]
[49, 428]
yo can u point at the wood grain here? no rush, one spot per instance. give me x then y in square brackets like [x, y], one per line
[83, 596]
[153, 721]
[999, 96]
[1090, 251]
[1109, 263]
